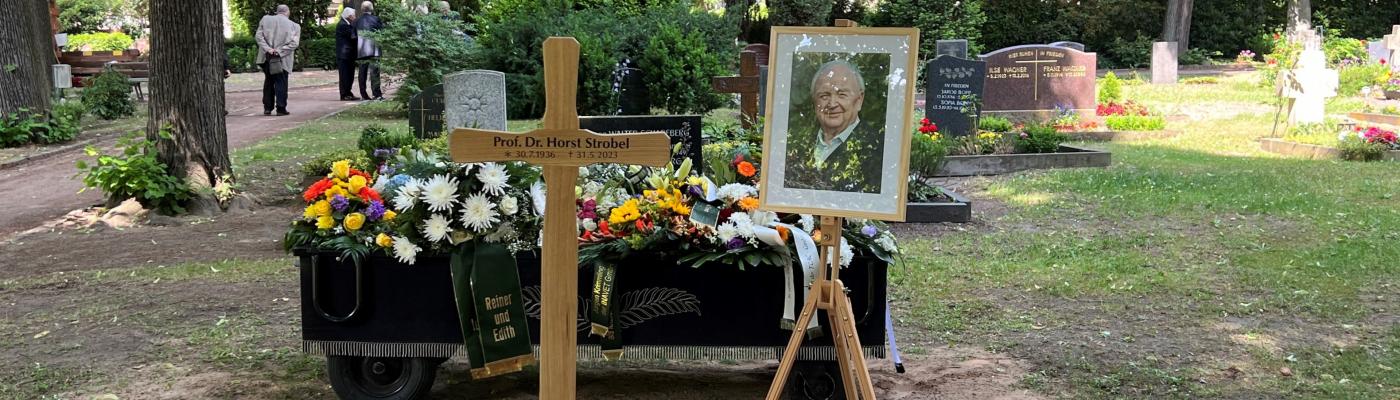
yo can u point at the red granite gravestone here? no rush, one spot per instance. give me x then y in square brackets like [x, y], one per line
[1032, 80]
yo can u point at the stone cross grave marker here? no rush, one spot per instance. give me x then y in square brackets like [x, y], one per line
[950, 47]
[746, 85]
[684, 131]
[1164, 63]
[1392, 43]
[561, 147]
[1308, 86]
[425, 112]
[475, 99]
[954, 93]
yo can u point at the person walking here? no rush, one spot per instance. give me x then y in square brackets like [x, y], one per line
[278, 38]
[346, 51]
[369, 50]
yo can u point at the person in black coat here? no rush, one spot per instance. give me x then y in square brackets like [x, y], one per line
[346, 52]
[369, 53]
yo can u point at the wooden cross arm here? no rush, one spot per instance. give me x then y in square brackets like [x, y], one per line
[560, 147]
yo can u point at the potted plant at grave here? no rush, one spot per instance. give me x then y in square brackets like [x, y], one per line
[1391, 87]
[928, 202]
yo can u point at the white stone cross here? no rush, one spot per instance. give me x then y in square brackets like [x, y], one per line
[1392, 43]
[1309, 85]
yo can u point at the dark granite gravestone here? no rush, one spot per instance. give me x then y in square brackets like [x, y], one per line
[631, 89]
[683, 130]
[425, 112]
[762, 89]
[762, 50]
[954, 88]
[1035, 79]
[1069, 44]
[953, 47]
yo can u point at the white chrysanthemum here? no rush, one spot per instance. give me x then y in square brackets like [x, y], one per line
[504, 232]
[886, 241]
[612, 199]
[537, 197]
[806, 222]
[764, 218]
[846, 253]
[436, 228]
[478, 213]
[493, 178]
[726, 232]
[743, 225]
[509, 206]
[589, 225]
[733, 192]
[583, 172]
[405, 197]
[405, 251]
[440, 193]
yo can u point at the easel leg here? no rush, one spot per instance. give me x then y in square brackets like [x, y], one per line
[842, 348]
[855, 351]
[809, 309]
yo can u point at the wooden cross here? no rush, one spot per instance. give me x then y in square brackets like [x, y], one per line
[561, 147]
[1392, 43]
[746, 85]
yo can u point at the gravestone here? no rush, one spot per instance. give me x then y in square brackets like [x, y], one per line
[761, 50]
[1392, 43]
[475, 99]
[1069, 44]
[1032, 80]
[631, 89]
[1164, 63]
[1377, 52]
[425, 111]
[951, 47]
[763, 89]
[1309, 85]
[954, 88]
[684, 130]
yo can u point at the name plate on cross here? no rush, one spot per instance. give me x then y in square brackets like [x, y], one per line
[561, 147]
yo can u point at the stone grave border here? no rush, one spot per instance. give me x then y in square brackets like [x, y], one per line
[1311, 151]
[1122, 136]
[1376, 118]
[1069, 156]
[959, 210]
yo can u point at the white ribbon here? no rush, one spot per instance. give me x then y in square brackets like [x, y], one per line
[807, 256]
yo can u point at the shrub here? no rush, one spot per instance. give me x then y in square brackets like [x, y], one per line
[421, 47]
[245, 14]
[101, 41]
[315, 53]
[79, 16]
[108, 95]
[17, 129]
[1110, 89]
[995, 124]
[799, 12]
[321, 164]
[926, 156]
[242, 51]
[677, 68]
[65, 121]
[376, 137]
[135, 172]
[1353, 78]
[1341, 49]
[1355, 148]
[1135, 122]
[936, 19]
[984, 142]
[1040, 138]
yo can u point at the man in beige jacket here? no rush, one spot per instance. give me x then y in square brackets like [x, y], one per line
[278, 38]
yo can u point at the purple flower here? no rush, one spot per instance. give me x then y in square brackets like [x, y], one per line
[869, 230]
[386, 170]
[385, 153]
[375, 211]
[735, 243]
[696, 192]
[589, 209]
[339, 203]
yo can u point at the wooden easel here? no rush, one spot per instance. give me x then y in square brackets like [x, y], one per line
[829, 295]
[561, 147]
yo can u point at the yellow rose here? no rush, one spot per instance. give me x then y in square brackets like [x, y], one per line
[311, 212]
[341, 169]
[325, 222]
[335, 190]
[356, 183]
[389, 215]
[323, 208]
[354, 221]
[383, 240]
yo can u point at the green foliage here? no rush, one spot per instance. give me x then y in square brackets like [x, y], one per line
[1039, 138]
[1129, 53]
[1135, 122]
[421, 47]
[799, 12]
[24, 127]
[17, 129]
[135, 172]
[80, 16]
[321, 164]
[1110, 89]
[995, 124]
[1340, 49]
[719, 159]
[315, 53]
[1352, 78]
[1354, 148]
[101, 41]
[245, 14]
[1322, 134]
[242, 52]
[1201, 80]
[375, 137]
[108, 95]
[936, 19]
[513, 44]
[926, 156]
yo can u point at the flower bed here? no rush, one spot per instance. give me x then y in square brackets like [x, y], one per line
[1316, 142]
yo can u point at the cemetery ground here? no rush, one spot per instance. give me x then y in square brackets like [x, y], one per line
[1196, 266]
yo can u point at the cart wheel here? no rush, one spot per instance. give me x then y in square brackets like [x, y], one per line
[395, 378]
[816, 380]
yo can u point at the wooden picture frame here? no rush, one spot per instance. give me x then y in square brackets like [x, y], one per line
[828, 149]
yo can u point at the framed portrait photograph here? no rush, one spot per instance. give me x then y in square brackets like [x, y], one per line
[837, 131]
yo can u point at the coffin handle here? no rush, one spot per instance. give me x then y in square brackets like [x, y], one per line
[316, 292]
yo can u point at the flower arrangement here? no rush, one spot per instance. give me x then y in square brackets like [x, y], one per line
[1373, 135]
[342, 212]
[1245, 57]
[930, 129]
[1366, 144]
[1126, 108]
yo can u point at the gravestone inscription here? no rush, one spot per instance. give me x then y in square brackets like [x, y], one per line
[425, 111]
[475, 99]
[1037, 79]
[951, 47]
[684, 130]
[954, 91]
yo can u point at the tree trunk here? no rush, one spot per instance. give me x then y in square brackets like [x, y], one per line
[26, 53]
[187, 89]
[1178, 25]
[1299, 15]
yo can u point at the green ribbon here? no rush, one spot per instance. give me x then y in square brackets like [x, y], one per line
[603, 310]
[486, 285]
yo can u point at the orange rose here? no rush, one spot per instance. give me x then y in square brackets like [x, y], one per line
[746, 169]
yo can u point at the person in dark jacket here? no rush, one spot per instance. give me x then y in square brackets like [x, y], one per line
[346, 51]
[369, 50]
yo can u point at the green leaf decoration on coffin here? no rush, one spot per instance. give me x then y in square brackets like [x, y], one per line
[531, 297]
[642, 305]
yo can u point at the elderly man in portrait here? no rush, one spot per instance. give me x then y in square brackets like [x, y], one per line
[844, 153]
[278, 38]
